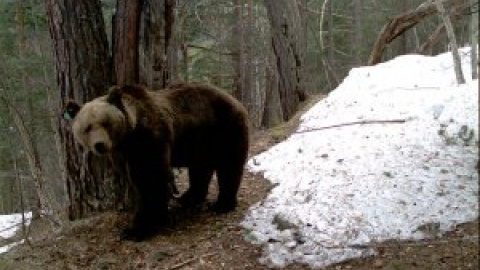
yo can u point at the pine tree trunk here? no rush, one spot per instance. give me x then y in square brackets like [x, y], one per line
[272, 114]
[287, 43]
[83, 72]
[126, 36]
[158, 44]
[170, 54]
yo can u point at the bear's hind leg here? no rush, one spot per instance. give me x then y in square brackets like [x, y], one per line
[229, 177]
[199, 179]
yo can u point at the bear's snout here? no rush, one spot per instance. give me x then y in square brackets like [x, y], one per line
[100, 148]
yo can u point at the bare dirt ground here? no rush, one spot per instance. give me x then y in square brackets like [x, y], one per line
[202, 240]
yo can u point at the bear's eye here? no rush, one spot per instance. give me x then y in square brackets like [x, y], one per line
[106, 124]
[88, 129]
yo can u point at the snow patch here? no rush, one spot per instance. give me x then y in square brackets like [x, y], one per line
[9, 226]
[389, 154]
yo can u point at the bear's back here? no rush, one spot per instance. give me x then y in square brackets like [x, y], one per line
[206, 122]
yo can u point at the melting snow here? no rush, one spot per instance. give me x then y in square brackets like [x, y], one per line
[390, 152]
[9, 226]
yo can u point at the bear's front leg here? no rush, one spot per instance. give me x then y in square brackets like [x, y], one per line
[153, 193]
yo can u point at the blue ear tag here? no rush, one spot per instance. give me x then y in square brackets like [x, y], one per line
[66, 116]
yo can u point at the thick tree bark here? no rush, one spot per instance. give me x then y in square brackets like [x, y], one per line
[158, 46]
[403, 22]
[126, 37]
[287, 42]
[83, 72]
[126, 65]
[169, 70]
[272, 114]
[150, 45]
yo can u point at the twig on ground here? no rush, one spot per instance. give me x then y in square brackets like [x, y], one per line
[364, 122]
[182, 264]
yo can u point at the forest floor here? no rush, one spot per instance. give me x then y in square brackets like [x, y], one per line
[203, 240]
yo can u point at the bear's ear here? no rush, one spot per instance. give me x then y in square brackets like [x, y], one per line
[114, 96]
[122, 98]
[71, 110]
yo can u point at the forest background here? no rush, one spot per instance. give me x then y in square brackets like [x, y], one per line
[273, 55]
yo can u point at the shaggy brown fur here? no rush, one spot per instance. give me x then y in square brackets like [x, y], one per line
[187, 125]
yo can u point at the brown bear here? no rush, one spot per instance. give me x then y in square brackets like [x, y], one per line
[188, 125]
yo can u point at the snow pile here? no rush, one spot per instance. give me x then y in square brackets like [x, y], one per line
[390, 154]
[9, 226]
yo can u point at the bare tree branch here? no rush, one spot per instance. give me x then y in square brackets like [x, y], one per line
[403, 22]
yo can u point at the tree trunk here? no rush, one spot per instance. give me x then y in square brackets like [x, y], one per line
[272, 114]
[83, 72]
[126, 37]
[357, 32]
[243, 83]
[169, 71]
[457, 61]
[158, 51]
[126, 59]
[238, 41]
[287, 43]
[250, 95]
[474, 38]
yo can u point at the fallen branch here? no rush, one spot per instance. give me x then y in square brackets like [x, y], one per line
[182, 264]
[364, 122]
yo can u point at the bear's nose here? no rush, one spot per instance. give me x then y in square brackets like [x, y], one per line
[100, 147]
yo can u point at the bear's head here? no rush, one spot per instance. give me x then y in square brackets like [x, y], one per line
[99, 125]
